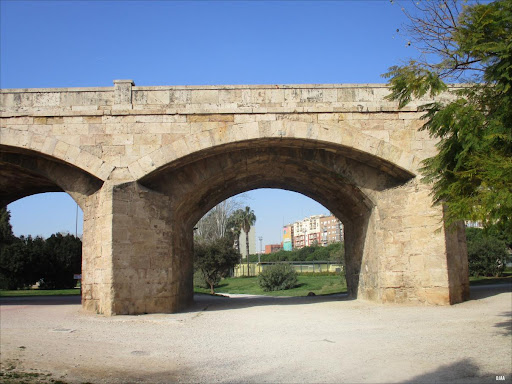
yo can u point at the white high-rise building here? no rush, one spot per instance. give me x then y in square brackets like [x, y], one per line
[317, 230]
[252, 242]
[307, 231]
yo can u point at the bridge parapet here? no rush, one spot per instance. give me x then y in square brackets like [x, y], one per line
[126, 99]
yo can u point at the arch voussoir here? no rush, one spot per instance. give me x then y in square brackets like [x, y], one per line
[56, 148]
[333, 135]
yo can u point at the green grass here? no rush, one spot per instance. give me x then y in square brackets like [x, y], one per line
[40, 292]
[481, 280]
[320, 285]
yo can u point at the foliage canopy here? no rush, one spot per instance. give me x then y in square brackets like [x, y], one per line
[25, 261]
[470, 44]
[333, 252]
[214, 260]
[487, 254]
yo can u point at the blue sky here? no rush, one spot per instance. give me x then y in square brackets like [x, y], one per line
[91, 43]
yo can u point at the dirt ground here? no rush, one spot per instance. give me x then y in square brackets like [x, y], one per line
[264, 340]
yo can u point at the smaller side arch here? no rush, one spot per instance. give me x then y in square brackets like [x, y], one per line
[24, 173]
[55, 148]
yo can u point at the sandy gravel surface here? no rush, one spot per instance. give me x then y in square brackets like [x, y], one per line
[265, 340]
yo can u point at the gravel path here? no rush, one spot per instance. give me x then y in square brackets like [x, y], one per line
[265, 340]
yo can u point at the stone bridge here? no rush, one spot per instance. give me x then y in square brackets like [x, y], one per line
[146, 163]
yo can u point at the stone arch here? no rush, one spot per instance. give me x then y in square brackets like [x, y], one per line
[345, 180]
[339, 135]
[55, 148]
[25, 172]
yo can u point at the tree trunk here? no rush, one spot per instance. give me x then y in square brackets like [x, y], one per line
[212, 291]
[239, 253]
[247, 248]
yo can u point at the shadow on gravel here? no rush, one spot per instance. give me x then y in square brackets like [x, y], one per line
[464, 371]
[478, 292]
[41, 300]
[505, 325]
[220, 303]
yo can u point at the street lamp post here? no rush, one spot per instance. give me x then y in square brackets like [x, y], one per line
[261, 249]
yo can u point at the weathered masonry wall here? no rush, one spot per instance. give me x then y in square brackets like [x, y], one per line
[145, 163]
[119, 127]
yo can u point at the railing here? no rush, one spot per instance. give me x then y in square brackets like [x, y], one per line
[300, 266]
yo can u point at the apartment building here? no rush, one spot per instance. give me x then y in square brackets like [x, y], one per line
[307, 231]
[271, 248]
[314, 230]
[331, 230]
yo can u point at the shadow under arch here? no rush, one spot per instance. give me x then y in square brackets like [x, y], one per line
[25, 172]
[344, 180]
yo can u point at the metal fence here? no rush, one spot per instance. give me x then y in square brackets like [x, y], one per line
[300, 266]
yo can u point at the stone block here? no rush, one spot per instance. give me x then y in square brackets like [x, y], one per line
[46, 99]
[147, 139]
[158, 97]
[136, 170]
[122, 139]
[49, 145]
[436, 296]
[205, 97]
[392, 279]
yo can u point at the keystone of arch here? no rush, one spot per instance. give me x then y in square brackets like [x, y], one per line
[339, 134]
[58, 149]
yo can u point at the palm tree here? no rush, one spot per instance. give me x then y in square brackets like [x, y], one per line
[234, 225]
[248, 220]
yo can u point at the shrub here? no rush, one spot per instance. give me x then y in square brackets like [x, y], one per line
[277, 277]
[486, 253]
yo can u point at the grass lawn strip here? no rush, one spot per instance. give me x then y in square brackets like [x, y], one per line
[320, 285]
[40, 292]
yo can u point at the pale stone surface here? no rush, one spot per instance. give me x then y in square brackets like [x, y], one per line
[145, 163]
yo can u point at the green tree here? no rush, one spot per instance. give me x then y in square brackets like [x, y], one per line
[234, 227]
[337, 252]
[214, 260]
[62, 259]
[248, 220]
[20, 262]
[472, 44]
[6, 235]
[487, 254]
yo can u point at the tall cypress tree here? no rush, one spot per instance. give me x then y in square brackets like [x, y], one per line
[6, 235]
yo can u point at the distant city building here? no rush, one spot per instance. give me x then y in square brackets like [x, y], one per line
[330, 230]
[307, 231]
[252, 242]
[288, 237]
[314, 230]
[271, 248]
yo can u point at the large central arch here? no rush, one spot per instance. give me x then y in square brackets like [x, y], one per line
[387, 259]
[329, 174]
